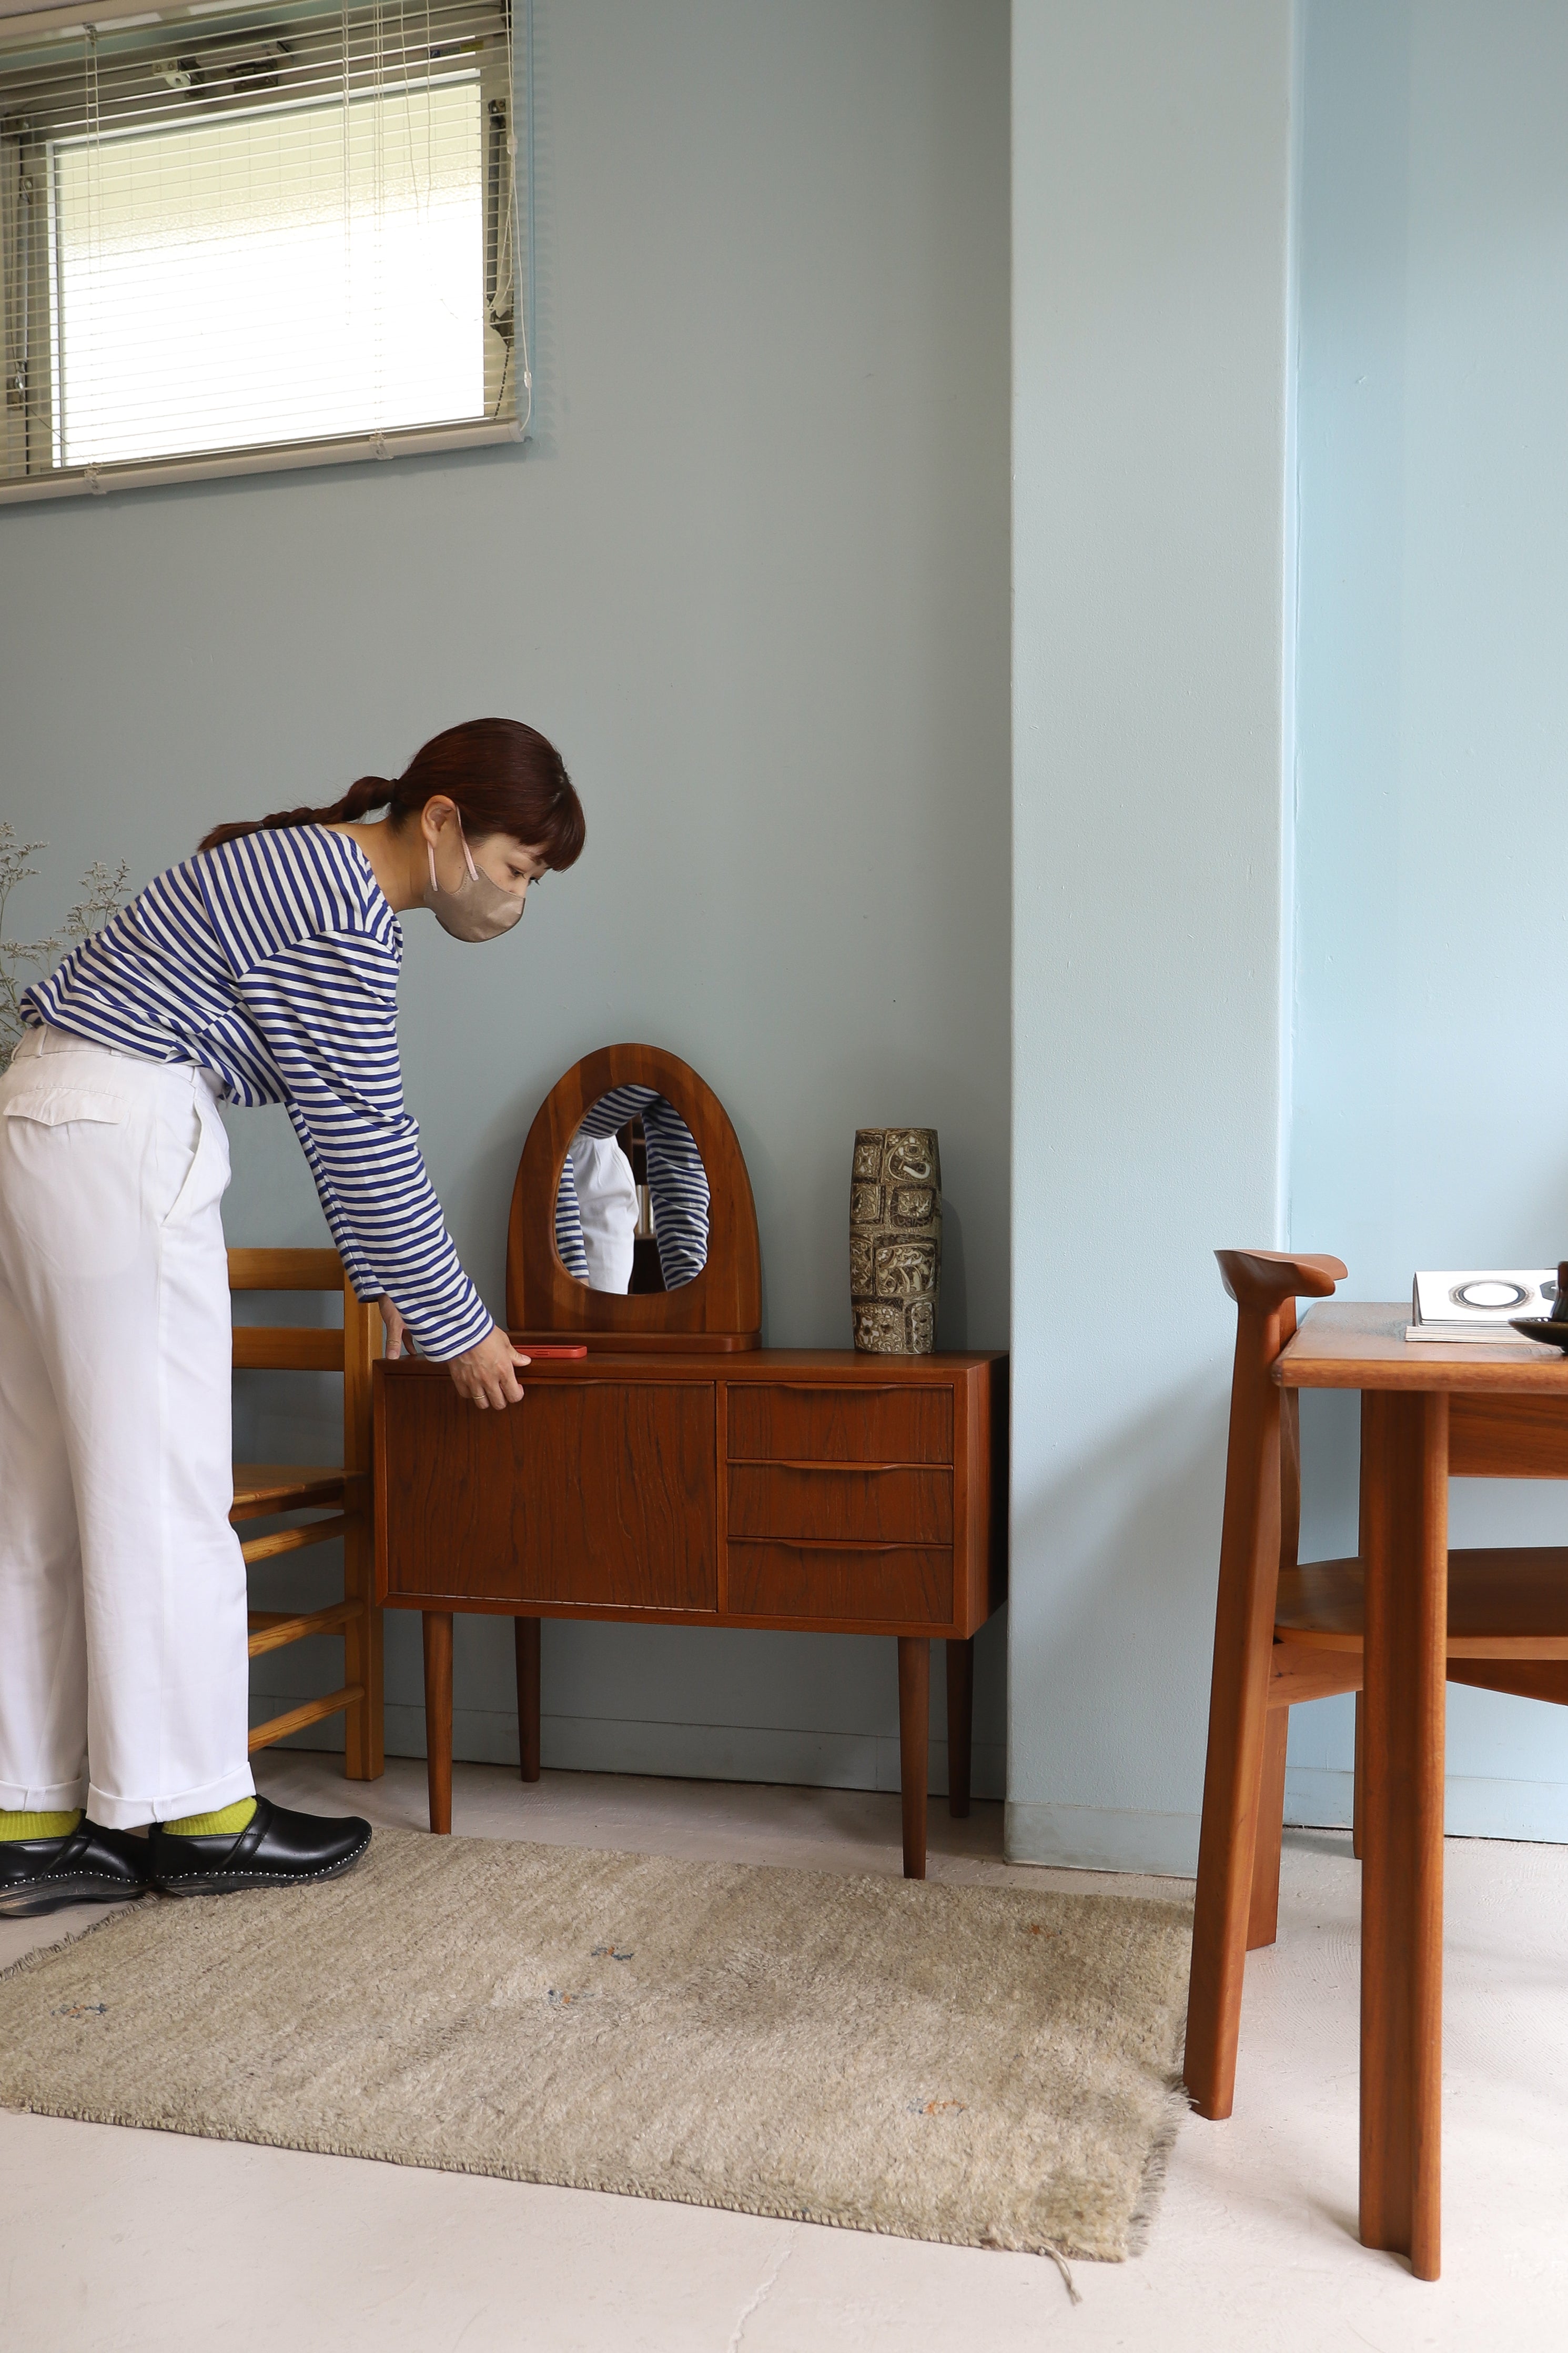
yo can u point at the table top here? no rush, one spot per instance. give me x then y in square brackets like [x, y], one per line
[1348, 1344]
[846, 1366]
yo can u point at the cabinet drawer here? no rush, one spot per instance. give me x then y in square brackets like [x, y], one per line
[773, 1421]
[888, 1584]
[866, 1506]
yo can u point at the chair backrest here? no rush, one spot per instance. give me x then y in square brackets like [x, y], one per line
[1266, 1285]
[308, 1348]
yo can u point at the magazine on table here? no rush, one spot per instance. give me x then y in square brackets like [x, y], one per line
[1480, 1304]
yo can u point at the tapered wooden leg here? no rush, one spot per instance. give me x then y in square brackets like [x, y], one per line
[365, 1755]
[914, 1745]
[960, 1725]
[1238, 1706]
[1263, 1916]
[1407, 1564]
[438, 1716]
[526, 1633]
[1358, 1779]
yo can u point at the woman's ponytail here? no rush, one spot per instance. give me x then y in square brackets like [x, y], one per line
[502, 777]
[369, 793]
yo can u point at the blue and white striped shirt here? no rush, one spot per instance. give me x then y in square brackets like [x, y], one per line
[273, 962]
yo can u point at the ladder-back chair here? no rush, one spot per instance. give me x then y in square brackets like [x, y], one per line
[1287, 1631]
[267, 1490]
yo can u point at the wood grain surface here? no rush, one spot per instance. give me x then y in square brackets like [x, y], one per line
[793, 1422]
[598, 1493]
[1348, 1344]
[859, 1586]
[824, 1502]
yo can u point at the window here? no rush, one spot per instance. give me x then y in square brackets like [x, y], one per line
[234, 239]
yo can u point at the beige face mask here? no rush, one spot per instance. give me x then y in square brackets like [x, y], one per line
[477, 909]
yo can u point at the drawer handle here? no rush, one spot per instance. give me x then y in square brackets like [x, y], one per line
[832, 1544]
[843, 1468]
[855, 1388]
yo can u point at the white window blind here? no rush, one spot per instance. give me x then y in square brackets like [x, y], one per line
[242, 237]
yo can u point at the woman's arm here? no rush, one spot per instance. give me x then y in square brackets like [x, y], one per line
[327, 1010]
[485, 1375]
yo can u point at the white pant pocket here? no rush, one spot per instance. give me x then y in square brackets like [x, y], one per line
[58, 1106]
[206, 1179]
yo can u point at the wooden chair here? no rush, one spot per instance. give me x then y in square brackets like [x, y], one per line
[1286, 1631]
[266, 1490]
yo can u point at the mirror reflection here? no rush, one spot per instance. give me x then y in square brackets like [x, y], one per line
[631, 1212]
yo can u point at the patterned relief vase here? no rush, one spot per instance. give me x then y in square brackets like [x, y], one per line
[895, 1240]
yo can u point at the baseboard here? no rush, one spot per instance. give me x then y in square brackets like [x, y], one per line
[1092, 1838]
[679, 1752]
[1320, 1798]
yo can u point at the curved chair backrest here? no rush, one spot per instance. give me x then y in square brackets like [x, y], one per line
[1266, 1285]
[1259, 1533]
[1266, 1279]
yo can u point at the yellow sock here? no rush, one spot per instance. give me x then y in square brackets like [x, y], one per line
[21, 1826]
[234, 1818]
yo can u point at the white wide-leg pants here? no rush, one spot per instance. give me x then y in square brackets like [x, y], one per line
[123, 1670]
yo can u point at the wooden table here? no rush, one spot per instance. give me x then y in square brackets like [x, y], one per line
[1406, 1389]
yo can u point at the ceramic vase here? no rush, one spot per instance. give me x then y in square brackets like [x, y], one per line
[895, 1240]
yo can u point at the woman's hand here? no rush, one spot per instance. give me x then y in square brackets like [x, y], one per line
[394, 1323]
[487, 1375]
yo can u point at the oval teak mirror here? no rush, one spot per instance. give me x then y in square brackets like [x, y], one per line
[632, 1219]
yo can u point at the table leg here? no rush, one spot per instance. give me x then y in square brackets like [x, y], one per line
[438, 1716]
[1406, 1567]
[960, 1724]
[526, 1633]
[914, 1745]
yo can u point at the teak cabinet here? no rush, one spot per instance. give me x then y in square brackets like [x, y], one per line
[820, 1490]
[680, 1474]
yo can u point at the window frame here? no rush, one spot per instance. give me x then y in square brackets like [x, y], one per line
[29, 149]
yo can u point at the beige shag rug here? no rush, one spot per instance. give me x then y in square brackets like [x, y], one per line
[977, 2064]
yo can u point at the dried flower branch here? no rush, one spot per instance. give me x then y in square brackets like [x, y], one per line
[103, 894]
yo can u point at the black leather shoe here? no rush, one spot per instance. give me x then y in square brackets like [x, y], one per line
[88, 1866]
[276, 1848]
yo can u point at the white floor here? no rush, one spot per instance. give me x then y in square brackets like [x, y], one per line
[113, 2242]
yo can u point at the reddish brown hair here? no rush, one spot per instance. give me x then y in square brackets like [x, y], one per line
[503, 777]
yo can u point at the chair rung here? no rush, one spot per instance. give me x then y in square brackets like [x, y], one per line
[285, 1270]
[261, 1489]
[313, 1710]
[287, 1348]
[273, 1629]
[1298, 1671]
[1503, 1603]
[296, 1539]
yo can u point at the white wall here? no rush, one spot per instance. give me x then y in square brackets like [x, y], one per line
[1430, 1128]
[752, 574]
[1152, 188]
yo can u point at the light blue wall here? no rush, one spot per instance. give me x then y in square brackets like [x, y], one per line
[1152, 188]
[753, 576]
[1430, 1127]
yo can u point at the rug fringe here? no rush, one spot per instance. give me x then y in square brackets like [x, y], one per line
[1060, 2261]
[1152, 2188]
[39, 1953]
